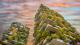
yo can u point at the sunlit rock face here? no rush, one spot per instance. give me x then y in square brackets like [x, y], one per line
[51, 25]
[17, 34]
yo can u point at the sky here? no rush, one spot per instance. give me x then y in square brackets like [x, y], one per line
[24, 10]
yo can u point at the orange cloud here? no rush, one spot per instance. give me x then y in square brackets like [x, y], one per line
[63, 4]
[59, 5]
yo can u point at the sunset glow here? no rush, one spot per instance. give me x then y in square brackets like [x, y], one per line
[24, 11]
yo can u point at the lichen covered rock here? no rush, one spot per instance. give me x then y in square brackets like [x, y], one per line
[51, 25]
[16, 35]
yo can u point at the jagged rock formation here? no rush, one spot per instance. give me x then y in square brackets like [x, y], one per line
[16, 35]
[50, 26]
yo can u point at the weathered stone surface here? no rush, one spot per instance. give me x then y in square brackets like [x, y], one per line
[16, 35]
[56, 42]
[51, 25]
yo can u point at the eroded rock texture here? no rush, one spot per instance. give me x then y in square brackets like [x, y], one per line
[51, 27]
[16, 35]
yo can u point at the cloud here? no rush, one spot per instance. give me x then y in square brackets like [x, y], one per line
[13, 1]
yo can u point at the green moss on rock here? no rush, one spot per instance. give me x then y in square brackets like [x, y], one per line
[16, 35]
[51, 25]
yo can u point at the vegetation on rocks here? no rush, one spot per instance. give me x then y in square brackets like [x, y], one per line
[50, 29]
[16, 35]
[50, 25]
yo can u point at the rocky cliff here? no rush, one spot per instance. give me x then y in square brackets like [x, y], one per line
[52, 29]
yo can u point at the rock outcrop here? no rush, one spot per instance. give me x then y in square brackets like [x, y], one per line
[16, 35]
[50, 25]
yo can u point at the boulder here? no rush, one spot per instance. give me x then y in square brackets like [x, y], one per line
[16, 35]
